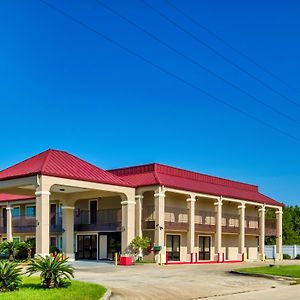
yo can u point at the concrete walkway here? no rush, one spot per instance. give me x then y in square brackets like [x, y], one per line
[150, 281]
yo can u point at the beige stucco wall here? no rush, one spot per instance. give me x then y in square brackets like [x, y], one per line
[251, 244]
[102, 203]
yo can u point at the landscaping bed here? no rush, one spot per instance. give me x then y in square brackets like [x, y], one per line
[32, 289]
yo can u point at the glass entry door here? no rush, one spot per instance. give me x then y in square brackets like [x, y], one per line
[87, 246]
[204, 247]
[173, 247]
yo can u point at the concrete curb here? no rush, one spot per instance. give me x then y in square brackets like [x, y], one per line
[268, 276]
[107, 295]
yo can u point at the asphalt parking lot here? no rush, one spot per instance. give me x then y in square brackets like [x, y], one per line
[150, 281]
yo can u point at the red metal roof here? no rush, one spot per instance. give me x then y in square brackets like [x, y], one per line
[8, 197]
[61, 164]
[158, 174]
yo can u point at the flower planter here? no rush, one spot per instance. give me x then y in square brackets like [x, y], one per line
[125, 260]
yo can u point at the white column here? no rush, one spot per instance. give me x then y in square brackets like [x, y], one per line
[279, 234]
[128, 222]
[242, 229]
[68, 231]
[191, 229]
[138, 215]
[218, 236]
[262, 211]
[9, 233]
[159, 207]
[42, 221]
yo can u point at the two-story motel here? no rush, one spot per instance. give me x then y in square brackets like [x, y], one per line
[90, 213]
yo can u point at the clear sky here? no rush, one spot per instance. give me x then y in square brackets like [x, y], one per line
[64, 87]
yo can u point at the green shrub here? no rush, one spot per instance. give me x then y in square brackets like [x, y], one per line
[24, 250]
[297, 256]
[55, 272]
[286, 256]
[10, 276]
[10, 248]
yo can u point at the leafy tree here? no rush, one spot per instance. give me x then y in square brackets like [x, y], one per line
[290, 226]
[54, 272]
[10, 276]
[138, 246]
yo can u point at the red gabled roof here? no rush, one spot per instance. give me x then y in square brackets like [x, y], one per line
[8, 197]
[158, 174]
[61, 164]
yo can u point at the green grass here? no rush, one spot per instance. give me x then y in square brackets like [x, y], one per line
[32, 290]
[292, 271]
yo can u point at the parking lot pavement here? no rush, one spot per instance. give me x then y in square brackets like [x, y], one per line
[150, 281]
[282, 293]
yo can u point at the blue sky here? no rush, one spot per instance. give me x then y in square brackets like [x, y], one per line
[64, 87]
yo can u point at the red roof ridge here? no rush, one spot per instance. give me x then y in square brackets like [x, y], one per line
[166, 169]
[62, 164]
[49, 152]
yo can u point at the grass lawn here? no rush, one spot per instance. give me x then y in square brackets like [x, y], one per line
[287, 271]
[31, 290]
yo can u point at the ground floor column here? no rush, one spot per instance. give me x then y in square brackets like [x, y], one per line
[138, 215]
[242, 230]
[159, 211]
[191, 229]
[279, 234]
[128, 222]
[218, 236]
[159, 203]
[9, 230]
[262, 211]
[42, 221]
[68, 231]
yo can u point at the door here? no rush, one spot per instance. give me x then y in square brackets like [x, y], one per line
[87, 246]
[173, 247]
[113, 244]
[4, 215]
[53, 214]
[204, 247]
[102, 246]
[93, 212]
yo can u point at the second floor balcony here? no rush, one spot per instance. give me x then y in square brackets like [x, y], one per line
[27, 223]
[100, 220]
[205, 221]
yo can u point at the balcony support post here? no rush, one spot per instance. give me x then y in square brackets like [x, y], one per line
[191, 226]
[138, 215]
[242, 229]
[279, 234]
[9, 231]
[218, 235]
[262, 225]
[68, 231]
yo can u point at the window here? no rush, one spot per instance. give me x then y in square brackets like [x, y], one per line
[16, 211]
[30, 211]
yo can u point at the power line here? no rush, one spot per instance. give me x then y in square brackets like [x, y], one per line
[241, 53]
[216, 52]
[165, 71]
[194, 62]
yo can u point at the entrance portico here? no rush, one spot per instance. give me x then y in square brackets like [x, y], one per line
[57, 175]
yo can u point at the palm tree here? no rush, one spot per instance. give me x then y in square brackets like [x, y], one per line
[10, 276]
[54, 271]
[9, 247]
